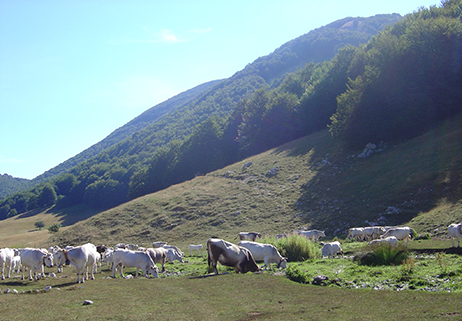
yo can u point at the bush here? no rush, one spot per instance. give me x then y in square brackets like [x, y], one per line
[294, 247]
[295, 274]
[54, 228]
[383, 254]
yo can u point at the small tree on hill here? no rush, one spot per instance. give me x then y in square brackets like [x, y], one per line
[39, 225]
[54, 228]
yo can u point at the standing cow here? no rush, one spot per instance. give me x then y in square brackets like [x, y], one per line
[34, 260]
[313, 235]
[455, 231]
[252, 236]
[82, 257]
[230, 254]
[6, 260]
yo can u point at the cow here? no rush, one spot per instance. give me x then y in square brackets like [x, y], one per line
[158, 255]
[455, 231]
[356, 233]
[230, 254]
[6, 260]
[16, 264]
[59, 267]
[252, 236]
[196, 248]
[265, 252]
[82, 257]
[401, 233]
[34, 260]
[313, 235]
[392, 240]
[331, 249]
[101, 249]
[158, 244]
[139, 259]
[173, 255]
[373, 232]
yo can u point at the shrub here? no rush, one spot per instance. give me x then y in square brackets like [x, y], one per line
[295, 274]
[383, 254]
[294, 247]
[54, 228]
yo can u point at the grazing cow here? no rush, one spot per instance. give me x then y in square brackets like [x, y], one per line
[392, 240]
[173, 255]
[331, 249]
[313, 235]
[196, 248]
[401, 233]
[265, 252]
[139, 259]
[356, 233]
[252, 236]
[455, 231]
[34, 260]
[230, 254]
[6, 259]
[82, 257]
[373, 232]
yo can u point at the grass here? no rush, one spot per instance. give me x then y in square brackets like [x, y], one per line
[186, 292]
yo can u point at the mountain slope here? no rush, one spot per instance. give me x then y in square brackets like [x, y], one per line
[311, 182]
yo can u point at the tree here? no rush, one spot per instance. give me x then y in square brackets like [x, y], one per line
[54, 228]
[39, 225]
[47, 196]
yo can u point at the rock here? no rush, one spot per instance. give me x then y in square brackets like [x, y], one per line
[320, 280]
[272, 172]
[48, 288]
[87, 302]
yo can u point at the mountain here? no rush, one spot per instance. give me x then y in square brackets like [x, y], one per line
[10, 185]
[101, 178]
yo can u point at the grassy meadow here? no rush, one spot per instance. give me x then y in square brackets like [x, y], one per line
[429, 289]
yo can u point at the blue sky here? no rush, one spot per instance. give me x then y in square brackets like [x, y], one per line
[73, 71]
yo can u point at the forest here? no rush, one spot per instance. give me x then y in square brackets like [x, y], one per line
[398, 84]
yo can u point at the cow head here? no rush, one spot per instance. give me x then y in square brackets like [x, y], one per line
[154, 271]
[48, 260]
[249, 264]
[282, 263]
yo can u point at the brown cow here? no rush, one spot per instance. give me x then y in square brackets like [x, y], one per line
[158, 255]
[230, 254]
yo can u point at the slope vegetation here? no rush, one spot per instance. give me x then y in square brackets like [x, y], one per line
[311, 183]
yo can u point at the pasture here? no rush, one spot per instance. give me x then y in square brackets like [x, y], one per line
[428, 287]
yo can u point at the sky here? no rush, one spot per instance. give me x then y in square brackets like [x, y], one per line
[73, 71]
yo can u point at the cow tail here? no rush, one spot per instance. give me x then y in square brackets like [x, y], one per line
[208, 253]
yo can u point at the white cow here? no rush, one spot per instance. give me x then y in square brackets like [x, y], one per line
[265, 252]
[356, 233]
[455, 231]
[6, 260]
[158, 244]
[16, 264]
[392, 240]
[373, 232]
[82, 257]
[331, 249]
[34, 260]
[173, 255]
[401, 233]
[313, 235]
[139, 259]
[196, 248]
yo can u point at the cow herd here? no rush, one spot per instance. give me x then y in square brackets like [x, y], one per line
[242, 256]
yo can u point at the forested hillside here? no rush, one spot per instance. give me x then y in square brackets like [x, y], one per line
[114, 175]
[10, 185]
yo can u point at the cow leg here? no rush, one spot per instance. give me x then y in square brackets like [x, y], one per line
[3, 268]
